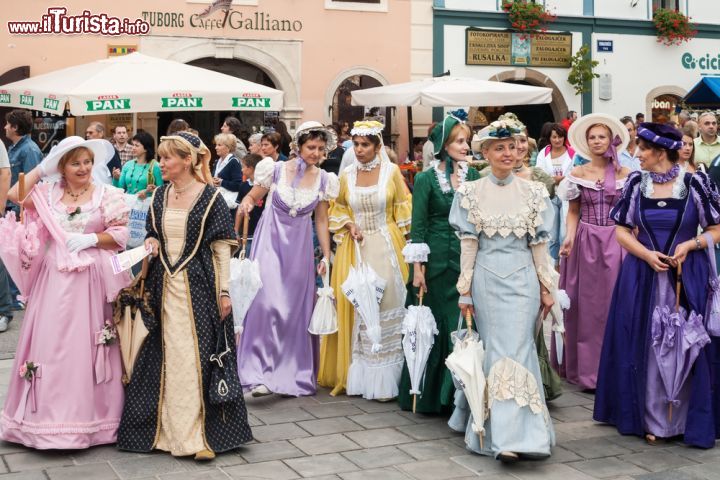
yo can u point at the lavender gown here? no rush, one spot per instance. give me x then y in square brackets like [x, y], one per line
[588, 276]
[276, 349]
[630, 392]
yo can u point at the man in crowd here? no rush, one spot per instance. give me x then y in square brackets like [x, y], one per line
[569, 119]
[23, 156]
[639, 118]
[120, 141]
[97, 130]
[707, 145]
[6, 303]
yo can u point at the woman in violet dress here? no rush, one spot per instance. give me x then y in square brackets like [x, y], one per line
[591, 255]
[666, 205]
[66, 387]
[277, 354]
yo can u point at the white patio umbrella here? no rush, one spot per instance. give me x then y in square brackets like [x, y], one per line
[244, 283]
[137, 83]
[452, 92]
[419, 329]
[365, 289]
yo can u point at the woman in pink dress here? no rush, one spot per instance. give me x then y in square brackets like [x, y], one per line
[66, 390]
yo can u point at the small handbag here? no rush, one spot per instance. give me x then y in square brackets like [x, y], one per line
[224, 380]
[324, 317]
[712, 309]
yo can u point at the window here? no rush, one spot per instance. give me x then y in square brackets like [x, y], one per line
[671, 4]
[362, 5]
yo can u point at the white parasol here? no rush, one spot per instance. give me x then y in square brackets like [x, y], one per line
[364, 289]
[466, 364]
[562, 303]
[419, 330]
[245, 282]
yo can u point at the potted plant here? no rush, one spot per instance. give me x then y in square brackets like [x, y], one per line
[673, 28]
[581, 70]
[527, 16]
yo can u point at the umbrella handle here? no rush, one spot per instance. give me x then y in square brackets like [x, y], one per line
[421, 292]
[21, 194]
[143, 274]
[468, 320]
[678, 286]
[246, 221]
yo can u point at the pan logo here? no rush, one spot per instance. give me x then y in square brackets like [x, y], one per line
[50, 103]
[188, 102]
[249, 102]
[27, 100]
[103, 105]
[704, 63]
[4, 98]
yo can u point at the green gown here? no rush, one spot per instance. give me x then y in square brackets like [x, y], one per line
[431, 209]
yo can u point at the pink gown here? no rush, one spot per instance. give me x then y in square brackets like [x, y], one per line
[76, 397]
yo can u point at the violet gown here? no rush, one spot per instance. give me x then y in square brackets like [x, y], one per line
[588, 276]
[276, 349]
[630, 393]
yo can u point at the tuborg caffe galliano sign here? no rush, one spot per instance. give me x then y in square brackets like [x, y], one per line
[508, 48]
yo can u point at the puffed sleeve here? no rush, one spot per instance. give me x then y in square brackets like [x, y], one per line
[115, 213]
[623, 213]
[340, 214]
[467, 233]
[264, 172]
[332, 188]
[707, 199]
[544, 264]
[545, 212]
[402, 202]
[567, 190]
[418, 249]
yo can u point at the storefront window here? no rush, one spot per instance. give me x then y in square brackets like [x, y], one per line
[663, 107]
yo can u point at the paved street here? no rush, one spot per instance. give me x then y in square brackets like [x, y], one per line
[350, 438]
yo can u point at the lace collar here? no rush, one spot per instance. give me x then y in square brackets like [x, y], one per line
[679, 190]
[445, 186]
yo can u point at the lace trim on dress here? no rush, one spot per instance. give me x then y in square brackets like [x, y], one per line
[521, 223]
[445, 186]
[509, 380]
[679, 190]
[416, 252]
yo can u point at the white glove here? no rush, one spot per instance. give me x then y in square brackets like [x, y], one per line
[46, 170]
[81, 241]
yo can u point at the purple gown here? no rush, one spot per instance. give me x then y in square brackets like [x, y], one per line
[588, 276]
[276, 349]
[630, 393]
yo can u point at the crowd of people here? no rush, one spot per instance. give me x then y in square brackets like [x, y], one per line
[604, 226]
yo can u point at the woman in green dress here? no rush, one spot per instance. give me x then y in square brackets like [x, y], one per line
[435, 245]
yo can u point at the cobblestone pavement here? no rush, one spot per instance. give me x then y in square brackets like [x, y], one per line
[350, 438]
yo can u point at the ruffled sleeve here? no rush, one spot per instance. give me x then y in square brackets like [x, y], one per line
[542, 231]
[332, 188]
[418, 250]
[707, 199]
[340, 214]
[402, 203]
[623, 213]
[264, 172]
[115, 213]
[567, 190]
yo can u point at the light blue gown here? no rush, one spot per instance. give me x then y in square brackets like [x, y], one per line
[506, 297]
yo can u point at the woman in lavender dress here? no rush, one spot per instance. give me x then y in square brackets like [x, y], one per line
[591, 255]
[276, 352]
[665, 205]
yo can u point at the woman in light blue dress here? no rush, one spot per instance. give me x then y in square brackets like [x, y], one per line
[507, 279]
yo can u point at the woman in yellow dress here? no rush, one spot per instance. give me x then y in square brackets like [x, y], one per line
[373, 211]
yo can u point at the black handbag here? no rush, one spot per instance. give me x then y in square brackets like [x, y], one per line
[224, 380]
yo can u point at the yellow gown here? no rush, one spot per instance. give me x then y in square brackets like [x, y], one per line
[384, 219]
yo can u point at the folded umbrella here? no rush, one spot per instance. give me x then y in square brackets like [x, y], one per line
[245, 281]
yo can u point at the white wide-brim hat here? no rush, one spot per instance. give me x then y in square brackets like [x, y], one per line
[103, 152]
[579, 128]
[313, 126]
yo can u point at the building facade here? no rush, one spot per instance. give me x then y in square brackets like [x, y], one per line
[637, 74]
[315, 51]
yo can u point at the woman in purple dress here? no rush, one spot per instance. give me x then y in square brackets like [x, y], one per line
[591, 257]
[276, 353]
[665, 205]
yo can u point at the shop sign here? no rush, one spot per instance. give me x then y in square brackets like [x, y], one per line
[51, 103]
[182, 102]
[4, 98]
[501, 47]
[251, 102]
[104, 104]
[28, 100]
[228, 19]
[708, 63]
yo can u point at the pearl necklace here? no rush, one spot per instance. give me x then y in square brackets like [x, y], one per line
[180, 191]
[369, 166]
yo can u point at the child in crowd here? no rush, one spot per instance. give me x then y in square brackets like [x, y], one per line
[248, 163]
